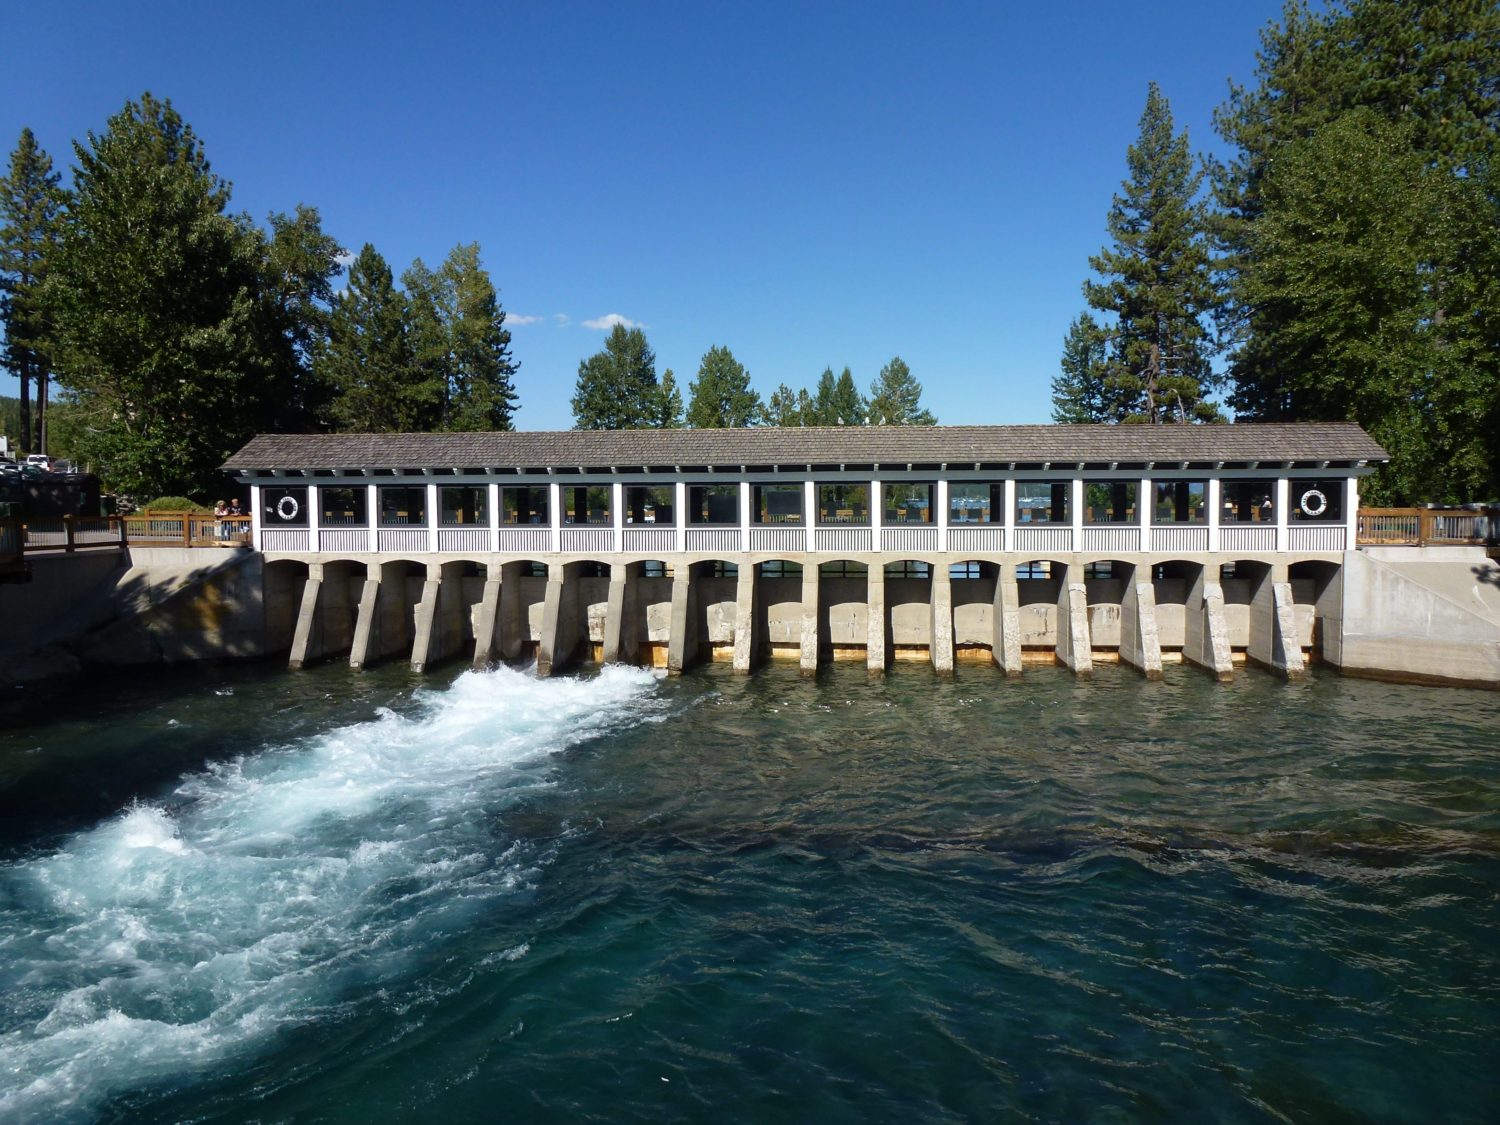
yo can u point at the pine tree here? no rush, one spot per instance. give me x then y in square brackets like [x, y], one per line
[1157, 281]
[617, 387]
[1078, 393]
[721, 397]
[669, 415]
[896, 398]
[369, 361]
[30, 207]
[154, 295]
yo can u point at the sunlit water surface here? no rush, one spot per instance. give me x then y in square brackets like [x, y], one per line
[241, 894]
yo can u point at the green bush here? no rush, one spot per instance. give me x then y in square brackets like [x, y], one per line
[175, 504]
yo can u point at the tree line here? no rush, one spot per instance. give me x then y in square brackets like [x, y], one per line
[618, 388]
[1342, 264]
[176, 329]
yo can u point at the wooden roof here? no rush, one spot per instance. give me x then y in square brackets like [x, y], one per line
[956, 446]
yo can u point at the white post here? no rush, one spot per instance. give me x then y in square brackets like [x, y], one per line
[747, 497]
[679, 513]
[940, 517]
[877, 513]
[554, 516]
[1283, 499]
[432, 516]
[1211, 498]
[314, 515]
[1008, 515]
[617, 514]
[1075, 492]
[1351, 513]
[809, 510]
[493, 491]
[255, 516]
[372, 515]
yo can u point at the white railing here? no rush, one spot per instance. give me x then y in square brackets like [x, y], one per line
[778, 539]
[1187, 538]
[1112, 537]
[524, 540]
[463, 539]
[976, 539]
[283, 539]
[588, 539]
[356, 539]
[401, 539]
[841, 539]
[1316, 537]
[1044, 538]
[713, 539]
[1247, 537]
[908, 539]
[654, 539]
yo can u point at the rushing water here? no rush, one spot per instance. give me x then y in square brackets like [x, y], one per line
[249, 895]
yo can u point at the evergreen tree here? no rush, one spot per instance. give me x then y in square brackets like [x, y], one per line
[300, 263]
[369, 360]
[155, 302]
[481, 388]
[617, 387]
[30, 206]
[787, 407]
[1157, 280]
[721, 395]
[669, 415]
[1078, 393]
[896, 398]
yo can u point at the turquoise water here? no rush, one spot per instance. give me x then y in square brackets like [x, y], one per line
[245, 895]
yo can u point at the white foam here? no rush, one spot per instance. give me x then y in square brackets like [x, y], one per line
[174, 935]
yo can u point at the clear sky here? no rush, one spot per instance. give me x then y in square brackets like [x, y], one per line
[812, 184]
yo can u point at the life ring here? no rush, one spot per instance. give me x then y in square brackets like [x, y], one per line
[1314, 503]
[287, 507]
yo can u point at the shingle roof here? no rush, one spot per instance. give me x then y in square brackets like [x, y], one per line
[889, 445]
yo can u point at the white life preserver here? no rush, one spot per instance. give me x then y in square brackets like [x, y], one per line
[287, 507]
[1314, 503]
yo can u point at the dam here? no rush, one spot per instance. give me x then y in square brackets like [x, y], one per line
[1006, 544]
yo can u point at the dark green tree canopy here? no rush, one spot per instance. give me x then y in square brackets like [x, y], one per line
[896, 398]
[721, 397]
[1157, 282]
[617, 387]
[30, 210]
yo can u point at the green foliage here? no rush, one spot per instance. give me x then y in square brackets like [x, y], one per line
[721, 397]
[1157, 282]
[617, 387]
[896, 398]
[370, 361]
[1358, 231]
[30, 207]
[1078, 390]
[153, 295]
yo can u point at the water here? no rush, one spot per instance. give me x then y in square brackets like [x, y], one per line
[243, 895]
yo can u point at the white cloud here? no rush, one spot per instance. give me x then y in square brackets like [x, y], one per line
[520, 320]
[609, 320]
[561, 320]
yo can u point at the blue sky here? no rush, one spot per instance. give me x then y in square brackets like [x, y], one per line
[809, 184]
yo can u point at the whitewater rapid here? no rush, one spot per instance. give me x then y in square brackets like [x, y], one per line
[276, 888]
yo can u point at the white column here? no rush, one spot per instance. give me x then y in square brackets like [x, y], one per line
[1008, 514]
[1351, 513]
[493, 505]
[747, 497]
[1211, 499]
[1145, 510]
[809, 510]
[255, 516]
[314, 515]
[877, 512]
[372, 514]
[940, 517]
[617, 513]
[432, 516]
[1282, 510]
[679, 513]
[554, 515]
[1075, 492]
